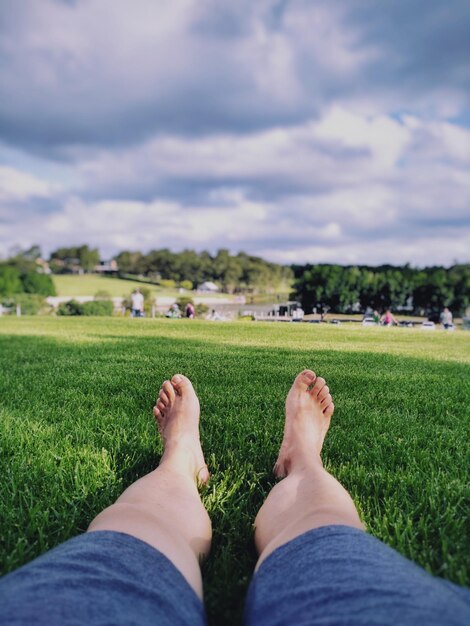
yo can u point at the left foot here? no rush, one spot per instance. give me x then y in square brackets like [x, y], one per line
[177, 413]
[309, 408]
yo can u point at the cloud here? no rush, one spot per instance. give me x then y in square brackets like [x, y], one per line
[18, 186]
[115, 73]
[304, 131]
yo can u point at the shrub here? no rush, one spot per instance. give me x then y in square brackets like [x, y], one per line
[31, 303]
[72, 307]
[94, 307]
[97, 307]
[168, 284]
[201, 309]
[183, 301]
[186, 284]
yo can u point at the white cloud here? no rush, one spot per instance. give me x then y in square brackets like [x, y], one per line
[16, 185]
[303, 131]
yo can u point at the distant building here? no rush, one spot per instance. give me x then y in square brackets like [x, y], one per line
[69, 265]
[43, 266]
[107, 267]
[208, 287]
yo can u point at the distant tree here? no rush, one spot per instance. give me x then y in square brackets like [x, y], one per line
[10, 281]
[33, 253]
[429, 289]
[41, 284]
[459, 277]
[227, 270]
[433, 290]
[83, 256]
[89, 258]
[131, 262]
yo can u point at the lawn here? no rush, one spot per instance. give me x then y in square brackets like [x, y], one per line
[74, 285]
[76, 398]
[89, 284]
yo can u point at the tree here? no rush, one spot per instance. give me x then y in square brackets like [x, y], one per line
[433, 290]
[41, 284]
[33, 253]
[89, 258]
[68, 258]
[10, 282]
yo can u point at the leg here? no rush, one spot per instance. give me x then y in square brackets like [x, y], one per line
[136, 570]
[164, 508]
[308, 497]
[316, 564]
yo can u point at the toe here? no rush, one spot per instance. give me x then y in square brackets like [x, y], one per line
[326, 400]
[203, 475]
[328, 412]
[318, 386]
[181, 384]
[279, 469]
[169, 390]
[323, 393]
[305, 379]
[160, 406]
[163, 397]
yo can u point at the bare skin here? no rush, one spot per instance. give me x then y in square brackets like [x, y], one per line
[164, 508]
[177, 412]
[309, 407]
[308, 496]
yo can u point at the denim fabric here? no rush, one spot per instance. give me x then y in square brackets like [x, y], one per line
[337, 575]
[332, 575]
[99, 578]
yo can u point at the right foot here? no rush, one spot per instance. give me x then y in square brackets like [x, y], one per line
[309, 407]
[177, 413]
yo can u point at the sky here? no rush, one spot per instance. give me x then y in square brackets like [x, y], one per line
[332, 131]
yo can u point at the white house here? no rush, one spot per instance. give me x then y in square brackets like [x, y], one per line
[208, 287]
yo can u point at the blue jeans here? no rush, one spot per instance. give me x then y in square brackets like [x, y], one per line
[331, 575]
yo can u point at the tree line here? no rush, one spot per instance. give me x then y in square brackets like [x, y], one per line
[334, 287]
[349, 288]
[232, 273]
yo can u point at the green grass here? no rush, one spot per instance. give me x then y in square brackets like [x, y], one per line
[76, 398]
[74, 285]
[88, 284]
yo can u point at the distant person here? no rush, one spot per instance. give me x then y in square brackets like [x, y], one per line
[446, 319]
[174, 312]
[388, 319]
[376, 317]
[139, 562]
[189, 311]
[137, 303]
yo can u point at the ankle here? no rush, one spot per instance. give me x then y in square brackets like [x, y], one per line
[304, 463]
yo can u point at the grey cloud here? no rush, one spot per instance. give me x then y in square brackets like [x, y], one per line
[67, 80]
[211, 109]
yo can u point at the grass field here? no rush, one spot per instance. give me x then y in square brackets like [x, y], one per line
[89, 284]
[76, 399]
[74, 285]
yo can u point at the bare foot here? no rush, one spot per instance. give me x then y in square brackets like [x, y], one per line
[177, 413]
[309, 408]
